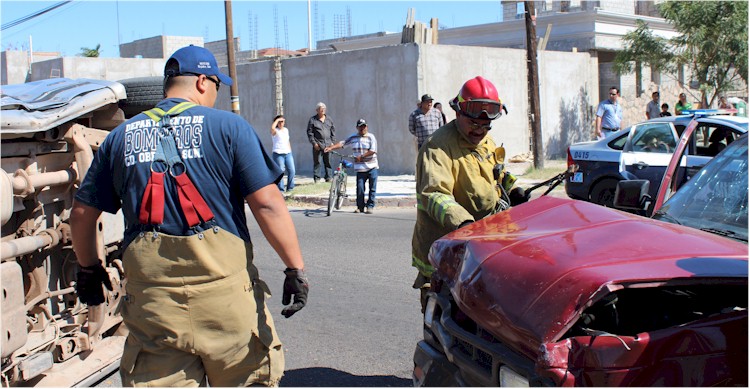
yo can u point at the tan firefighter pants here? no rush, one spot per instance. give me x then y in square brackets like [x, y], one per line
[195, 310]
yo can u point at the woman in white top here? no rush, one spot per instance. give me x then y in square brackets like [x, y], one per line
[282, 151]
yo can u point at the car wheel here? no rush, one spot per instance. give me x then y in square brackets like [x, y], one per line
[143, 94]
[603, 193]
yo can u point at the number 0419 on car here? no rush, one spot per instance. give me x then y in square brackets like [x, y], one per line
[577, 177]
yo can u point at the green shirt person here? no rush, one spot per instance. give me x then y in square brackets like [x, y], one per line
[682, 105]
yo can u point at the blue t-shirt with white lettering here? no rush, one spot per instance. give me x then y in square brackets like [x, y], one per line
[224, 158]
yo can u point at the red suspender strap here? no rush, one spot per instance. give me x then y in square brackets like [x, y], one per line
[152, 205]
[191, 201]
[193, 205]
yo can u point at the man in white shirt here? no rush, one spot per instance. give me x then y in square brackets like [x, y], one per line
[365, 148]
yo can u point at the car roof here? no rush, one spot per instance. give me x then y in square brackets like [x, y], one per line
[739, 122]
[40, 105]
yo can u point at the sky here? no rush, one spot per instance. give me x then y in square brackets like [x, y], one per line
[258, 24]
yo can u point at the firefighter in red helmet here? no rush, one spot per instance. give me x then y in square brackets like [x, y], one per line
[457, 174]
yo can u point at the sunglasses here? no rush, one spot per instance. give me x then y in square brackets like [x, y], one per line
[479, 126]
[216, 82]
[475, 109]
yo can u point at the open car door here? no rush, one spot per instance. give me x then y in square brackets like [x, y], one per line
[647, 152]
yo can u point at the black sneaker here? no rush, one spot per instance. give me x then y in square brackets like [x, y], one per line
[328, 180]
[359, 211]
[316, 179]
[369, 210]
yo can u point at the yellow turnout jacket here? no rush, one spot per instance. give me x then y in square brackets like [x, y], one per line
[454, 184]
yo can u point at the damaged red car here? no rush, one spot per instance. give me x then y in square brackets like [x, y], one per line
[560, 292]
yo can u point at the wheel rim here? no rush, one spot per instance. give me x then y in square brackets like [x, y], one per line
[332, 194]
[341, 193]
[604, 194]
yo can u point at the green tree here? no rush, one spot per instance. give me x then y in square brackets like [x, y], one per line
[712, 44]
[91, 53]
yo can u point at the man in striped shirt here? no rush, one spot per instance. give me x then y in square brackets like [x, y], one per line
[425, 120]
[365, 148]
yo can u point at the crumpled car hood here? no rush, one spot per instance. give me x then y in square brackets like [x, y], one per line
[526, 274]
[40, 105]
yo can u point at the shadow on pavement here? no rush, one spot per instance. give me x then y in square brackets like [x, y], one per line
[327, 377]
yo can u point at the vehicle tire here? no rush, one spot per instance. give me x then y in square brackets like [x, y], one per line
[341, 195]
[603, 193]
[143, 94]
[333, 193]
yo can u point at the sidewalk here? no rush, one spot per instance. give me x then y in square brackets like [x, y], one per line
[400, 191]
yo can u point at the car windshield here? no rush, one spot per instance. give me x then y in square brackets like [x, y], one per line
[716, 199]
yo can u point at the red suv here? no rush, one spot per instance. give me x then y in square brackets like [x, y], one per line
[561, 292]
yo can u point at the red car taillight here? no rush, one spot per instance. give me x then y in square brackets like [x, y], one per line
[570, 158]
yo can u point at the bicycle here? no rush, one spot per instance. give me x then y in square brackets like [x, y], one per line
[337, 193]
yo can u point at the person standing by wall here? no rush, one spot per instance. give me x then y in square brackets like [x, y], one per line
[439, 107]
[455, 181]
[365, 148]
[195, 305]
[282, 151]
[609, 115]
[652, 108]
[425, 120]
[321, 133]
[682, 105]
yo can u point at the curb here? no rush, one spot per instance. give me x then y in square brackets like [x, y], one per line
[406, 202]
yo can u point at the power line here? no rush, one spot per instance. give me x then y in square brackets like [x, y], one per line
[33, 15]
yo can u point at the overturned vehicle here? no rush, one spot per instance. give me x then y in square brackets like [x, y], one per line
[560, 292]
[50, 130]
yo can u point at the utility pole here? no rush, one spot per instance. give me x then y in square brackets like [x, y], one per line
[234, 91]
[535, 120]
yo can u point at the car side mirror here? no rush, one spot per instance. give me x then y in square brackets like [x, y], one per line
[632, 194]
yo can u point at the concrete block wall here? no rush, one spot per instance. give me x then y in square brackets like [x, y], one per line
[157, 47]
[15, 65]
[379, 85]
[173, 43]
[111, 69]
[568, 83]
[382, 85]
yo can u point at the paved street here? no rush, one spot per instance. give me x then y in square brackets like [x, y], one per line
[363, 318]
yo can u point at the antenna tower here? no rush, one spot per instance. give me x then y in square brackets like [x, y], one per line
[316, 30]
[348, 21]
[276, 28]
[286, 35]
[322, 27]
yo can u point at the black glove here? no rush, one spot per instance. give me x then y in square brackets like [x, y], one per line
[294, 284]
[89, 284]
[518, 196]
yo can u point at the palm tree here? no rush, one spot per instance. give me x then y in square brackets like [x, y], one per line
[91, 53]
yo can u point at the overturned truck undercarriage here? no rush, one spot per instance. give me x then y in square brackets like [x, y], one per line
[49, 338]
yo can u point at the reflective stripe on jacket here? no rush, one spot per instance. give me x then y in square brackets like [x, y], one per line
[454, 184]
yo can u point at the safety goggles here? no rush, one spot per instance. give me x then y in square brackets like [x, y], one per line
[475, 109]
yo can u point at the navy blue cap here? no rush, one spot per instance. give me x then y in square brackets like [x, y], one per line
[198, 60]
[361, 122]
